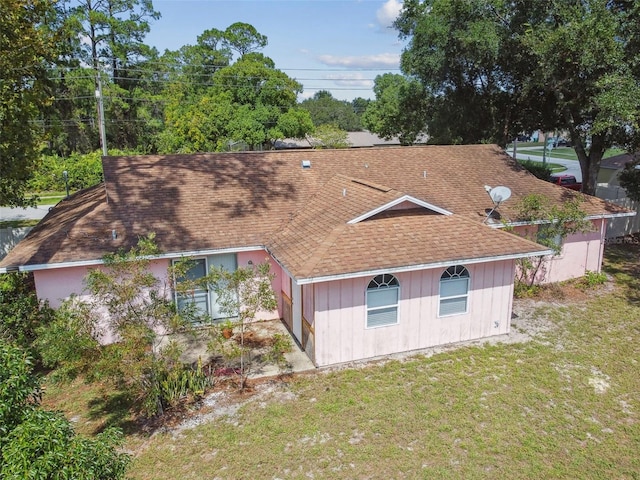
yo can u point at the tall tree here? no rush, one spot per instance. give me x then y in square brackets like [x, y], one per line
[495, 68]
[399, 110]
[324, 110]
[243, 38]
[250, 103]
[26, 49]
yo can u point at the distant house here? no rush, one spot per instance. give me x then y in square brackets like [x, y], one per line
[375, 250]
[612, 166]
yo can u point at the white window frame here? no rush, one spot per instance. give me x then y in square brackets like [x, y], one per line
[176, 295]
[543, 233]
[383, 284]
[455, 275]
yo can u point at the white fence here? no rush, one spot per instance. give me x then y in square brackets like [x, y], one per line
[619, 227]
[9, 238]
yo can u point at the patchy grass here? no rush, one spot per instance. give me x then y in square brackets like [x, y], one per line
[564, 405]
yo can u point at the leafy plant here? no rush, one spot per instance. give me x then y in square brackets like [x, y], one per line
[592, 279]
[36, 443]
[537, 169]
[21, 313]
[280, 344]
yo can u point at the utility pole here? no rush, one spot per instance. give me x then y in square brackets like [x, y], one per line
[103, 134]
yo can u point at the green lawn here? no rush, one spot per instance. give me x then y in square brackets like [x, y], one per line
[565, 404]
[566, 153]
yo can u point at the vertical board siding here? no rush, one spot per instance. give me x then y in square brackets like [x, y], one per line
[340, 314]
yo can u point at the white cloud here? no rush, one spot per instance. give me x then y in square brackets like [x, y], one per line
[381, 60]
[354, 80]
[387, 14]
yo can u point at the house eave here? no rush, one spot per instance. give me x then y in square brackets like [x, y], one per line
[164, 256]
[422, 266]
[540, 222]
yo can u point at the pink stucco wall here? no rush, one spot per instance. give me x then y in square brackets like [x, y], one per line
[260, 256]
[340, 314]
[580, 252]
[56, 285]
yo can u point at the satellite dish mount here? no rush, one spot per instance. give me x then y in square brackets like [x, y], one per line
[498, 195]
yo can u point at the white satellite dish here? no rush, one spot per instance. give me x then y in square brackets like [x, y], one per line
[500, 194]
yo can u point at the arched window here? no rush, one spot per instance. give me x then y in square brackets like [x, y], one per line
[383, 293]
[454, 291]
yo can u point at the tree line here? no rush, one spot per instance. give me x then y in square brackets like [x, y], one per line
[473, 71]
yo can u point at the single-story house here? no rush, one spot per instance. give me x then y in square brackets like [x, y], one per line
[611, 167]
[375, 251]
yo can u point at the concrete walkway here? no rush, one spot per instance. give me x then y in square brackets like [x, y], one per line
[195, 347]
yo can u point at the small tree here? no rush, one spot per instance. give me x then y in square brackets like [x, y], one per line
[241, 295]
[557, 222]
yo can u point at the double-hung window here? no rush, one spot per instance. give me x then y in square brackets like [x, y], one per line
[383, 294]
[454, 291]
[197, 296]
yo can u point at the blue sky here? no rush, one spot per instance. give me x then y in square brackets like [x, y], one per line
[335, 45]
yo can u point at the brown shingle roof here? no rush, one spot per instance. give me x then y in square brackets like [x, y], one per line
[234, 200]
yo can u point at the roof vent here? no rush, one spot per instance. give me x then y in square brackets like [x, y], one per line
[306, 164]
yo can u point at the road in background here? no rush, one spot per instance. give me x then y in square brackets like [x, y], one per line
[573, 166]
[32, 213]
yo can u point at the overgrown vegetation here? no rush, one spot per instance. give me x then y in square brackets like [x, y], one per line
[241, 294]
[555, 224]
[139, 314]
[21, 313]
[35, 443]
[538, 169]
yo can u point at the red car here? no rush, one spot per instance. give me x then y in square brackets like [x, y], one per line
[568, 181]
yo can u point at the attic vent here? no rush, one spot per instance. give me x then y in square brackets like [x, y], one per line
[306, 164]
[375, 186]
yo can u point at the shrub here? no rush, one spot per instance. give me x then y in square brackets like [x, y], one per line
[36, 443]
[536, 168]
[21, 314]
[592, 280]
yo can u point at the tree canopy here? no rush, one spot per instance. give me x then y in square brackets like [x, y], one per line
[26, 48]
[492, 69]
[327, 110]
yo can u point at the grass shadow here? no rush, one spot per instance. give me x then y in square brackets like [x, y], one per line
[622, 262]
[112, 409]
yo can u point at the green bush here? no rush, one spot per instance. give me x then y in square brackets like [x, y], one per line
[69, 342]
[592, 279]
[536, 168]
[21, 314]
[39, 444]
